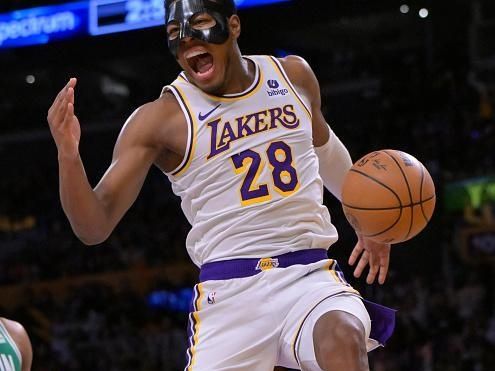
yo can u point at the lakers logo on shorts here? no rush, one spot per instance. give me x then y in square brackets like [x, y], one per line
[265, 264]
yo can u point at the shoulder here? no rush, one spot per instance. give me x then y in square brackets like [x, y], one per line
[21, 338]
[301, 75]
[153, 121]
[295, 64]
[15, 329]
[164, 110]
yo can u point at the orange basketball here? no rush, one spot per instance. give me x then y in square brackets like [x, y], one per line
[388, 196]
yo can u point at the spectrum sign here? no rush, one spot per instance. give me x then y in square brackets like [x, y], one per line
[45, 24]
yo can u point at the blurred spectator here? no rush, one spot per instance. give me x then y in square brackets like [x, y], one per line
[484, 214]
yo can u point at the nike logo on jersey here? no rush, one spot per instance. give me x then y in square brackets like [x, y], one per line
[202, 117]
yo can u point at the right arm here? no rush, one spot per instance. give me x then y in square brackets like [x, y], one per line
[94, 213]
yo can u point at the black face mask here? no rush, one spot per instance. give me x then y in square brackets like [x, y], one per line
[181, 12]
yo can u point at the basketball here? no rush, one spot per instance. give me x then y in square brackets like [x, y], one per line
[388, 196]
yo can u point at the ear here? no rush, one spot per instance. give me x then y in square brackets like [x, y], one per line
[235, 26]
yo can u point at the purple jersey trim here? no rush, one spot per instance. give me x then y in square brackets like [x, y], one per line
[239, 268]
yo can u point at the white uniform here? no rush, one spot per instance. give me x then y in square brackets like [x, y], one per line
[231, 181]
[250, 188]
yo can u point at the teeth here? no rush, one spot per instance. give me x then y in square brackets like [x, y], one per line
[193, 53]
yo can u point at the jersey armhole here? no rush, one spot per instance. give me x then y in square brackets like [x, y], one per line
[190, 146]
[280, 70]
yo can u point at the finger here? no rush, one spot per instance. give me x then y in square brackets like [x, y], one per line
[70, 95]
[384, 264]
[62, 93]
[70, 90]
[363, 262]
[60, 114]
[59, 99]
[356, 252]
[55, 107]
[374, 268]
[69, 114]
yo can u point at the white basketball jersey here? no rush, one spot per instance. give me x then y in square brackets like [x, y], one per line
[249, 181]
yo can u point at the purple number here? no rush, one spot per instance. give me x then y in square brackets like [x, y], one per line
[247, 193]
[284, 175]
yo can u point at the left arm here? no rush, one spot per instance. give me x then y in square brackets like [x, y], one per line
[333, 157]
[335, 162]
[21, 338]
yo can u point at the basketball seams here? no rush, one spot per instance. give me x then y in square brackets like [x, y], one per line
[379, 182]
[379, 215]
[388, 228]
[392, 191]
[408, 190]
[421, 194]
[388, 208]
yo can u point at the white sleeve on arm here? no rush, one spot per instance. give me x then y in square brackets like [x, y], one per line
[335, 162]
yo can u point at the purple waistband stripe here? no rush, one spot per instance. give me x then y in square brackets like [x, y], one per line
[382, 318]
[239, 268]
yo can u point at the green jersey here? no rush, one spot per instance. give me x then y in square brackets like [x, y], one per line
[10, 357]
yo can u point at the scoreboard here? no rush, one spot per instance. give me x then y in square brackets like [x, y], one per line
[110, 16]
[45, 24]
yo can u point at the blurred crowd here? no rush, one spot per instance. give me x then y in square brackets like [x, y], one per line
[446, 318]
[96, 327]
[38, 243]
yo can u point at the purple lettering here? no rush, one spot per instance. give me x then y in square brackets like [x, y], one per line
[275, 114]
[258, 121]
[243, 130]
[289, 112]
[228, 135]
[214, 150]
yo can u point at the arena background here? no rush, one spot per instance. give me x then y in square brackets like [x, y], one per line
[390, 78]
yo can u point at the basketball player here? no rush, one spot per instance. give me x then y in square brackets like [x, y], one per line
[244, 143]
[16, 353]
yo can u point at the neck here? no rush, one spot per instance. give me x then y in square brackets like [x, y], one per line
[239, 74]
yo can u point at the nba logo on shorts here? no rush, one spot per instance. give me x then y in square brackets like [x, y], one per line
[211, 297]
[273, 84]
[266, 264]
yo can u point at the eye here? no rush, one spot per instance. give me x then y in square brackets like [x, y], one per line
[172, 31]
[203, 21]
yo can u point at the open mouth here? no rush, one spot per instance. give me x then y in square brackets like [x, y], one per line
[200, 61]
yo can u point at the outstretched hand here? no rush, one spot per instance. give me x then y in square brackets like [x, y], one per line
[63, 123]
[374, 254]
